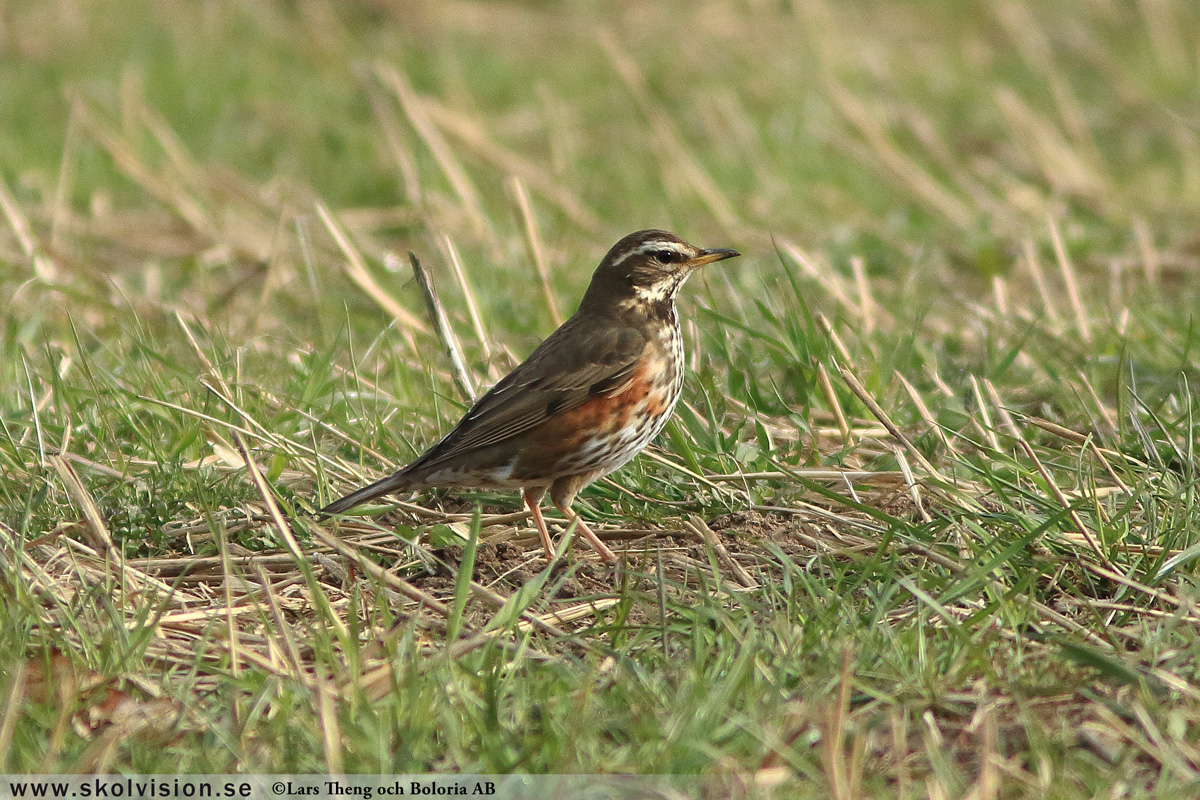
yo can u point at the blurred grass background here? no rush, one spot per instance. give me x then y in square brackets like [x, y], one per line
[993, 202]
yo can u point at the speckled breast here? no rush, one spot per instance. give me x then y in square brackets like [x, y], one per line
[607, 431]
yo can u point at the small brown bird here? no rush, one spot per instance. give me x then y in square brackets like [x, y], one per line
[588, 399]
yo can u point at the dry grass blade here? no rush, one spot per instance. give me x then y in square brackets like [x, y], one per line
[389, 124]
[843, 778]
[1076, 520]
[1060, 162]
[926, 414]
[666, 462]
[1046, 613]
[562, 616]
[356, 269]
[1030, 258]
[827, 277]
[1151, 262]
[1000, 295]
[705, 188]
[835, 406]
[96, 527]
[892, 429]
[260, 483]
[1006, 418]
[231, 627]
[279, 405]
[533, 244]
[12, 706]
[414, 109]
[1059, 430]
[1108, 415]
[496, 600]
[1068, 273]
[985, 425]
[914, 489]
[172, 193]
[209, 367]
[1088, 441]
[473, 135]
[426, 600]
[909, 174]
[839, 346]
[282, 629]
[701, 529]
[43, 268]
[987, 787]
[379, 574]
[460, 274]
[331, 734]
[865, 301]
[466, 383]
[1157, 595]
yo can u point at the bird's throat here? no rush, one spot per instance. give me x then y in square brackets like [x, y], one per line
[656, 301]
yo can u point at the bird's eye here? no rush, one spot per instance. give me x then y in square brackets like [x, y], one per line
[668, 256]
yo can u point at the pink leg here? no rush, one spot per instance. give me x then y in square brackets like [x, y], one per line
[600, 547]
[562, 493]
[533, 499]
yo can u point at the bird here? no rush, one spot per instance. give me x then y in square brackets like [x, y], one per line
[588, 399]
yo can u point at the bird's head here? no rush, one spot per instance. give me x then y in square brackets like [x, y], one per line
[644, 271]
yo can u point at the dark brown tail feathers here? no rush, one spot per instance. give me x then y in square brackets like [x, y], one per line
[392, 483]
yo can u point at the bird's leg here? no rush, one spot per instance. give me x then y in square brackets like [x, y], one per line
[562, 494]
[600, 547]
[533, 499]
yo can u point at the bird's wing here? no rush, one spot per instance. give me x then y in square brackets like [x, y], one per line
[573, 364]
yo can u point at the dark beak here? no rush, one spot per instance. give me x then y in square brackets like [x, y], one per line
[716, 254]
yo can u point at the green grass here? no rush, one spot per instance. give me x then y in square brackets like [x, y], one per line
[979, 218]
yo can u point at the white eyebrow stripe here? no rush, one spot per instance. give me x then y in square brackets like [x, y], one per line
[657, 244]
[650, 247]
